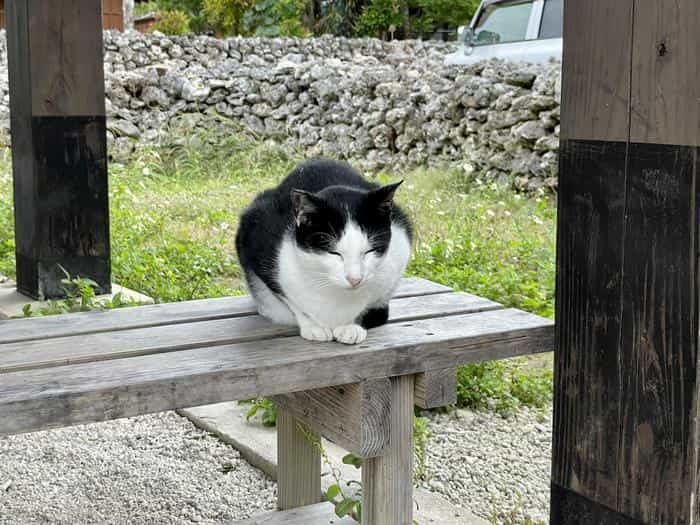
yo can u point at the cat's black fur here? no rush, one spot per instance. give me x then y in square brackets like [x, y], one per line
[293, 207]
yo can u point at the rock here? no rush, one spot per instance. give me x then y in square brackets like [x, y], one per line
[522, 79]
[547, 143]
[529, 132]
[153, 96]
[194, 90]
[123, 128]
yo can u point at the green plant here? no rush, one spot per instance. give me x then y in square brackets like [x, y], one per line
[172, 23]
[421, 435]
[503, 386]
[380, 18]
[266, 408]
[345, 504]
[79, 297]
[431, 15]
[193, 9]
[145, 8]
[271, 18]
[226, 16]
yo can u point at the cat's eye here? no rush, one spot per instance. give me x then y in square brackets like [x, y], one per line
[335, 253]
[370, 251]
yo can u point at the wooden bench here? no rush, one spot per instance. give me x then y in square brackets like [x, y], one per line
[88, 367]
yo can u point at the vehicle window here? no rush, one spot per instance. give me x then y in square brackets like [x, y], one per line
[552, 19]
[504, 22]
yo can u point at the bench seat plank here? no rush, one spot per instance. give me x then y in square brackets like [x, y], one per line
[143, 341]
[81, 393]
[319, 514]
[161, 314]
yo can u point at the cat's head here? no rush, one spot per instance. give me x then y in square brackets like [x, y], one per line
[344, 233]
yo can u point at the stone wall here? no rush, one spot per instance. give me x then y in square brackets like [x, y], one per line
[381, 105]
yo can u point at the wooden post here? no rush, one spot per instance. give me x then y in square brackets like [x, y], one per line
[625, 415]
[59, 145]
[298, 464]
[387, 481]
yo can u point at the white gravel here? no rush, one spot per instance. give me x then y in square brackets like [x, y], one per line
[497, 468]
[160, 469]
[156, 469]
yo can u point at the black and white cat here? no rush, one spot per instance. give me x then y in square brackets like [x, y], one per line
[325, 251]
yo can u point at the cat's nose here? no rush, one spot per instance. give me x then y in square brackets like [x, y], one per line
[354, 281]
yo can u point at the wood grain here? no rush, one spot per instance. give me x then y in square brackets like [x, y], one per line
[61, 396]
[168, 338]
[387, 481]
[437, 388]
[41, 328]
[354, 416]
[319, 514]
[67, 69]
[665, 72]
[656, 462]
[299, 464]
[596, 70]
[589, 291]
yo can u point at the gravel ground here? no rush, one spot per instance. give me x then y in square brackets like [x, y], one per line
[497, 468]
[151, 470]
[160, 469]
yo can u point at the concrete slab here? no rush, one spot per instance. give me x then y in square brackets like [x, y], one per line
[12, 302]
[258, 445]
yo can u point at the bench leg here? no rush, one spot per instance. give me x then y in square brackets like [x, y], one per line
[298, 465]
[387, 481]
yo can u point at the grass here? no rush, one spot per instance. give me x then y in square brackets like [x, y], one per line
[174, 213]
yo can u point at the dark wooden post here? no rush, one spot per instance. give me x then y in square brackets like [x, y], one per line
[627, 384]
[59, 148]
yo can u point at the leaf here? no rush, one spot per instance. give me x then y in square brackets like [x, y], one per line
[27, 310]
[333, 492]
[351, 459]
[345, 507]
[251, 412]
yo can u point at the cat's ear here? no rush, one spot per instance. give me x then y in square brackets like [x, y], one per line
[304, 204]
[383, 198]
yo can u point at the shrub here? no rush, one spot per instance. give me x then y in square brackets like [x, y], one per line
[172, 23]
[378, 18]
[273, 18]
[503, 386]
[226, 16]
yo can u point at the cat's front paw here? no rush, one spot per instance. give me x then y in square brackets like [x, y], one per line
[350, 334]
[316, 333]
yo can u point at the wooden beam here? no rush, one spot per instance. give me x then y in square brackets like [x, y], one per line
[626, 383]
[436, 388]
[59, 145]
[387, 481]
[298, 463]
[354, 416]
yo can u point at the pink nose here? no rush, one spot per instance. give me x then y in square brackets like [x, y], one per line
[354, 281]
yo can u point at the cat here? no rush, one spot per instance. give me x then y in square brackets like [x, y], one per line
[325, 250]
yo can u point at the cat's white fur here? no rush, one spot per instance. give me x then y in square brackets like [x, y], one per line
[319, 295]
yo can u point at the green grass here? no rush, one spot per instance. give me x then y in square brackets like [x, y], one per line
[174, 213]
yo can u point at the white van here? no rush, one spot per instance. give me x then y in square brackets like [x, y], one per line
[522, 30]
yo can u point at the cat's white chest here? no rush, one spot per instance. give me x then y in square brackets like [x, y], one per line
[328, 304]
